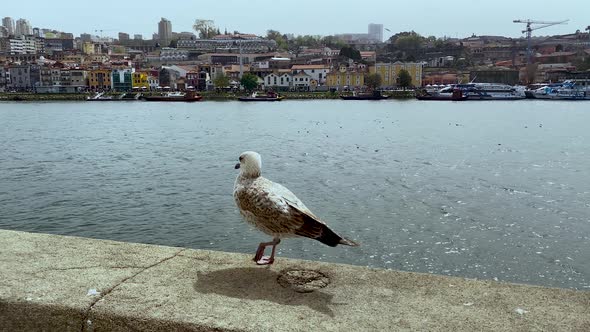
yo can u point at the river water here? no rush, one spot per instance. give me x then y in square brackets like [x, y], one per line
[490, 190]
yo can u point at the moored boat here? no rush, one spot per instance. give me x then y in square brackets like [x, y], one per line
[270, 96]
[447, 93]
[376, 95]
[101, 97]
[492, 91]
[577, 89]
[189, 96]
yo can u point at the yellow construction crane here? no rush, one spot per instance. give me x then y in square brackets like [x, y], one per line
[529, 30]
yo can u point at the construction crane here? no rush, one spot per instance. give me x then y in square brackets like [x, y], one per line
[529, 30]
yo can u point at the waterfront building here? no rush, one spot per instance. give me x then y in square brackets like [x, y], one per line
[24, 77]
[302, 81]
[140, 80]
[23, 28]
[8, 23]
[389, 72]
[278, 81]
[4, 78]
[59, 79]
[164, 32]
[79, 78]
[316, 72]
[122, 79]
[346, 78]
[153, 82]
[3, 32]
[99, 79]
[137, 37]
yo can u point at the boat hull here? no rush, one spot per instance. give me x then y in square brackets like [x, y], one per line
[442, 98]
[173, 99]
[260, 98]
[363, 97]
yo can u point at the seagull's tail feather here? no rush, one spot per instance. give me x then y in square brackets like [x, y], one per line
[329, 237]
[348, 242]
[313, 228]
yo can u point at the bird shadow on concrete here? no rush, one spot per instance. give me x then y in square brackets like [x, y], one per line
[260, 284]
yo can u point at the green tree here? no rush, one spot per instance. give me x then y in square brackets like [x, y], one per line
[373, 81]
[410, 42]
[404, 79]
[351, 53]
[221, 81]
[249, 82]
[278, 38]
[205, 28]
[333, 42]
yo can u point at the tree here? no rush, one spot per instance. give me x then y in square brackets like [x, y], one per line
[205, 28]
[351, 53]
[373, 81]
[333, 42]
[404, 79]
[278, 38]
[249, 82]
[221, 81]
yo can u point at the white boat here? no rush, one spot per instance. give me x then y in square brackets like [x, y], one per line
[545, 92]
[576, 89]
[492, 91]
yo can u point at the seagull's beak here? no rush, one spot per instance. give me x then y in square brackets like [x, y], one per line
[237, 166]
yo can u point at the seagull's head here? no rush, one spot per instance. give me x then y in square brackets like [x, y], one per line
[250, 164]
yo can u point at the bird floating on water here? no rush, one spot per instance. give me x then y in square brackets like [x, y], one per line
[275, 210]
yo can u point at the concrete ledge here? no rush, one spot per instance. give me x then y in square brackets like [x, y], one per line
[57, 283]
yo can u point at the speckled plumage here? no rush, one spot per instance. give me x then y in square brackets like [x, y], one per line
[274, 209]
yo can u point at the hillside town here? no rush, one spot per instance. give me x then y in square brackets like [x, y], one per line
[43, 60]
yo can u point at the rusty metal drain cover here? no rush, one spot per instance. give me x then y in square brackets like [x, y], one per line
[303, 281]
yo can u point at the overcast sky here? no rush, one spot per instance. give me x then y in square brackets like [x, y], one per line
[456, 18]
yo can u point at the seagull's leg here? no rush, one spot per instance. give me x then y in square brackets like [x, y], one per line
[265, 260]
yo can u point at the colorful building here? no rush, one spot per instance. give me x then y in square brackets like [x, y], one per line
[389, 72]
[122, 79]
[99, 79]
[140, 80]
[346, 78]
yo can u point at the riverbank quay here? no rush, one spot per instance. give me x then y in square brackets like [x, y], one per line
[207, 95]
[12, 96]
[61, 283]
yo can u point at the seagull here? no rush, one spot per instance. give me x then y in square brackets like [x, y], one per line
[275, 210]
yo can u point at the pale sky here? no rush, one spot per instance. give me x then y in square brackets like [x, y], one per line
[456, 18]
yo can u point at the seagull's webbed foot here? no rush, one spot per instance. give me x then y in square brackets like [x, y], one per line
[265, 260]
[260, 259]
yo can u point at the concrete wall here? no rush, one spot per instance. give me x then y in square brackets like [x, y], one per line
[57, 283]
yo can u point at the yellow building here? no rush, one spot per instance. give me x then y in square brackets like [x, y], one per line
[351, 78]
[140, 80]
[389, 72]
[99, 79]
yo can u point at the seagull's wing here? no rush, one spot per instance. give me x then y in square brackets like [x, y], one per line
[308, 225]
[277, 210]
[303, 222]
